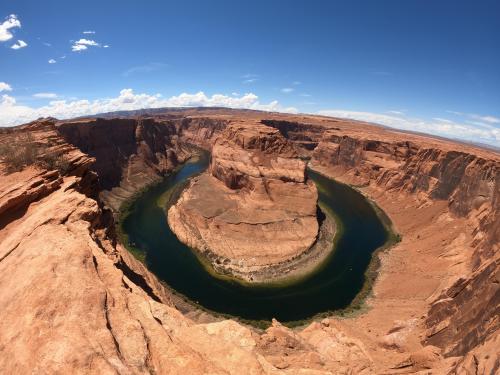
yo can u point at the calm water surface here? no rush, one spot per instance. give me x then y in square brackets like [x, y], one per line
[333, 286]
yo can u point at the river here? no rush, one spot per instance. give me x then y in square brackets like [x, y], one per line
[331, 287]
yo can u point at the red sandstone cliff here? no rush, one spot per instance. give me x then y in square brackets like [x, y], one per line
[256, 188]
[465, 315]
[133, 153]
[443, 197]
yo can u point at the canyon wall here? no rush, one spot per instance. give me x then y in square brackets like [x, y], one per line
[133, 153]
[60, 261]
[464, 315]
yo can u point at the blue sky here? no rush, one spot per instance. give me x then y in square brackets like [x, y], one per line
[431, 66]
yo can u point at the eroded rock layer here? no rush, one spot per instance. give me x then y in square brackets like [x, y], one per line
[74, 300]
[254, 209]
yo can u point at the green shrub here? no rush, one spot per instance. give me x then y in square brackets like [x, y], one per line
[20, 151]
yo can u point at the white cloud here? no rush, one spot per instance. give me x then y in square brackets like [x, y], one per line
[146, 68]
[442, 120]
[490, 119]
[88, 32]
[10, 22]
[83, 44]
[12, 113]
[87, 42]
[287, 90]
[5, 87]
[447, 128]
[473, 116]
[52, 61]
[45, 95]
[105, 46]
[20, 44]
[47, 44]
[78, 47]
[250, 80]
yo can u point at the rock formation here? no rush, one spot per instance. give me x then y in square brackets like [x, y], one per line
[134, 153]
[75, 301]
[254, 211]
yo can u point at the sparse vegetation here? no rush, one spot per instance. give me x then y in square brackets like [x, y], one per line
[20, 151]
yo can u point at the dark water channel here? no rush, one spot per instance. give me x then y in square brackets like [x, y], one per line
[333, 286]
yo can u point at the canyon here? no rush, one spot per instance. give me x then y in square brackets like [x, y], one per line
[75, 300]
[254, 212]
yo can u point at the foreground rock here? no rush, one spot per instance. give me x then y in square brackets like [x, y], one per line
[253, 214]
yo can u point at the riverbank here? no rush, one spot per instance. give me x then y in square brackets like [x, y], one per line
[431, 254]
[331, 286]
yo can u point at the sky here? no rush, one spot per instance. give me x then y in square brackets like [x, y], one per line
[431, 66]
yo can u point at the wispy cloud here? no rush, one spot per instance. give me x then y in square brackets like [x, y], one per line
[442, 120]
[146, 68]
[480, 124]
[88, 32]
[489, 119]
[47, 44]
[5, 87]
[399, 112]
[436, 126]
[12, 113]
[455, 113]
[5, 27]
[52, 61]
[306, 95]
[296, 83]
[250, 78]
[287, 90]
[45, 95]
[483, 118]
[20, 44]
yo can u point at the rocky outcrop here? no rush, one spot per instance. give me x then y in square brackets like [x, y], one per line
[305, 136]
[60, 262]
[134, 153]
[256, 187]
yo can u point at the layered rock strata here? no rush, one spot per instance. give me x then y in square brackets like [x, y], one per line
[135, 153]
[254, 212]
[74, 301]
